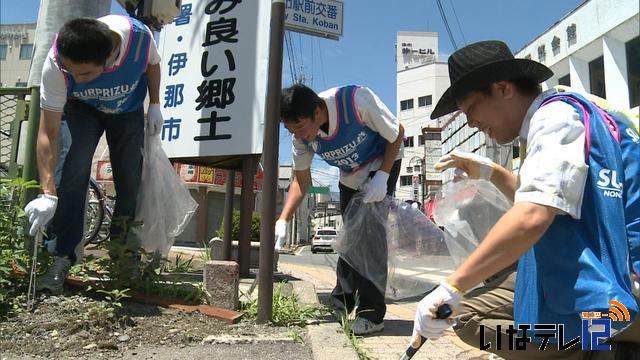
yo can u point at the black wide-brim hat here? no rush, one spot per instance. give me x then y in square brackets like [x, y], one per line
[479, 65]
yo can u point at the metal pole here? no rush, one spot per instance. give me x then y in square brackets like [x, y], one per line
[270, 153]
[201, 213]
[228, 215]
[424, 173]
[30, 169]
[246, 214]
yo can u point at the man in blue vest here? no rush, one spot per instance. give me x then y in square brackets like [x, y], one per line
[568, 228]
[95, 78]
[350, 128]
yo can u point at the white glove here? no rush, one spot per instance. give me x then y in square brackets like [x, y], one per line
[281, 233]
[425, 322]
[376, 188]
[474, 165]
[40, 211]
[155, 121]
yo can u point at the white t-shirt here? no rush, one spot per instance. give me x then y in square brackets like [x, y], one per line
[554, 172]
[374, 114]
[53, 90]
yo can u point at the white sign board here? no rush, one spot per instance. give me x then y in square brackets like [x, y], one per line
[214, 78]
[314, 17]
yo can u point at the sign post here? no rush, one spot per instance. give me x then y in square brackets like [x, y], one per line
[270, 153]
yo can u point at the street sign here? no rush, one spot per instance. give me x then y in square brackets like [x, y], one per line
[318, 190]
[314, 17]
[214, 78]
[415, 180]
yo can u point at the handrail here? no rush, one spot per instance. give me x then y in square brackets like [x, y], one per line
[15, 91]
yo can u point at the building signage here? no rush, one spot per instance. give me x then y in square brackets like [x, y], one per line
[314, 17]
[14, 35]
[427, 53]
[214, 76]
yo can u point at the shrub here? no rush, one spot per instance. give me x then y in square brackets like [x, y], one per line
[235, 227]
[14, 253]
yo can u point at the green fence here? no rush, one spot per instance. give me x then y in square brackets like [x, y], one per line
[14, 114]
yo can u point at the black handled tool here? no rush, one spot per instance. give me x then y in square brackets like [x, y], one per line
[443, 312]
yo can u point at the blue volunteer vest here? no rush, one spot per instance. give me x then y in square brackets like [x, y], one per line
[630, 146]
[580, 265]
[352, 143]
[121, 89]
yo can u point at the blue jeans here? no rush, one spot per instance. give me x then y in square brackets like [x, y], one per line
[125, 137]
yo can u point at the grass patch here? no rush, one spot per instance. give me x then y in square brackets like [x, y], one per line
[287, 311]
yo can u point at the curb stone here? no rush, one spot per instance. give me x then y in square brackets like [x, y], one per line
[328, 340]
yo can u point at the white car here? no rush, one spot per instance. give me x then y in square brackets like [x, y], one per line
[324, 239]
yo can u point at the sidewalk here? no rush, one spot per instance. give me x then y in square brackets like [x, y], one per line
[393, 341]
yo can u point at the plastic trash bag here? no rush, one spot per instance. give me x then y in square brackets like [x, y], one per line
[165, 205]
[467, 210]
[393, 245]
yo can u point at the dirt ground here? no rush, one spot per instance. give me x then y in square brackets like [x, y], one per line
[78, 326]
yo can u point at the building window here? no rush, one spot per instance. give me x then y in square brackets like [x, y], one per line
[406, 104]
[406, 180]
[21, 84]
[542, 53]
[633, 71]
[433, 136]
[420, 140]
[424, 101]
[26, 51]
[409, 169]
[555, 45]
[565, 80]
[572, 34]
[408, 142]
[3, 52]
[596, 77]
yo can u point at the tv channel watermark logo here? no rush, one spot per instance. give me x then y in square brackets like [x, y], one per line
[595, 326]
[593, 319]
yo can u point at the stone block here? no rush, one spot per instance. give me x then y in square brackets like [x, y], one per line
[221, 283]
[215, 251]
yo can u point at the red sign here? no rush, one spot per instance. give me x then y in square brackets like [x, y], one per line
[103, 171]
[188, 173]
[209, 175]
[205, 175]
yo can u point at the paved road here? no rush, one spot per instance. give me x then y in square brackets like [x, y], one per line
[319, 269]
[408, 277]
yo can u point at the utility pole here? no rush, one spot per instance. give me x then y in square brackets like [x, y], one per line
[270, 153]
[423, 165]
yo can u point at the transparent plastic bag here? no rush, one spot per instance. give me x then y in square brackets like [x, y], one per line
[165, 205]
[467, 210]
[393, 245]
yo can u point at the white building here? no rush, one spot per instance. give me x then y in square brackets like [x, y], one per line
[421, 80]
[595, 49]
[457, 134]
[16, 50]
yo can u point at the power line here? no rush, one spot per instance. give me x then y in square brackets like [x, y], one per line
[446, 24]
[458, 21]
[324, 81]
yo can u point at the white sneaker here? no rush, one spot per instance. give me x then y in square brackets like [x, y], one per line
[364, 326]
[53, 279]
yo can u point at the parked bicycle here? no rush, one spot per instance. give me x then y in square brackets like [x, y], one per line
[99, 212]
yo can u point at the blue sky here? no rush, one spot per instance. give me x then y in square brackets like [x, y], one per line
[366, 53]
